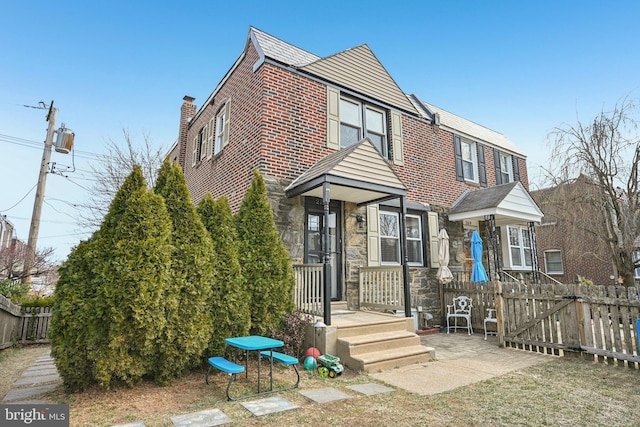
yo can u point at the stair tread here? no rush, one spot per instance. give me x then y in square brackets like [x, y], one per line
[377, 337]
[376, 356]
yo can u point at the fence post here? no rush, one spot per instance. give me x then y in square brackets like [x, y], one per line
[499, 301]
[573, 325]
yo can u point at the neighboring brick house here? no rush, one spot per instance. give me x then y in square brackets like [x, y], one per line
[339, 143]
[566, 251]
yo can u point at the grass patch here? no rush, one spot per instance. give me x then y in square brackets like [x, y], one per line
[560, 392]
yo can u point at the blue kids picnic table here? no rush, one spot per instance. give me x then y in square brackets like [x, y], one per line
[256, 343]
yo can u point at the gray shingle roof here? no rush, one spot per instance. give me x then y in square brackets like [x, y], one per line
[282, 51]
[482, 199]
[467, 127]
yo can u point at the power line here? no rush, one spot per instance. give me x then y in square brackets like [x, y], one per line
[19, 201]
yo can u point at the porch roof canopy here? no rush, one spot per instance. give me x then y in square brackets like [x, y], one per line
[511, 204]
[357, 174]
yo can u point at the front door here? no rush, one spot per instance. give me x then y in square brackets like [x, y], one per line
[314, 238]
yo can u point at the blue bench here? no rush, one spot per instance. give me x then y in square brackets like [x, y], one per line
[224, 365]
[285, 359]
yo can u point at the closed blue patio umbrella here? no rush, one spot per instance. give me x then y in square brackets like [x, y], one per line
[478, 274]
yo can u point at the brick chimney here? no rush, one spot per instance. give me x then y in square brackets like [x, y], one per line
[187, 112]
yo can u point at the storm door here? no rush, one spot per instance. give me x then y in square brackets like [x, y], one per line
[314, 237]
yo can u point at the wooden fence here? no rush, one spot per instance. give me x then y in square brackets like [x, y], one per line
[599, 321]
[33, 327]
[23, 325]
[481, 293]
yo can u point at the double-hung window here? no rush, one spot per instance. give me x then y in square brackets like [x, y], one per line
[414, 240]
[390, 238]
[506, 168]
[518, 252]
[553, 262]
[469, 160]
[219, 138]
[358, 121]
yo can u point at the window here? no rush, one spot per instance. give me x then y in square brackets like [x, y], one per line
[469, 160]
[220, 125]
[414, 240]
[636, 257]
[390, 238]
[553, 262]
[358, 121]
[505, 169]
[517, 249]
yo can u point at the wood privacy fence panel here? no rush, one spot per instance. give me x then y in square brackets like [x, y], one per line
[481, 294]
[9, 319]
[34, 325]
[556, 318]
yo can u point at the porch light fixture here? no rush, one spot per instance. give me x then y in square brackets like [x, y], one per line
[360, 220]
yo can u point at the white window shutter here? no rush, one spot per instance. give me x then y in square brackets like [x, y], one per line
[333, 118]
[194, 158]
[227, 112]
[212, 136]
[205, 142]
[433, 238]
[396, 138]
[373, 236]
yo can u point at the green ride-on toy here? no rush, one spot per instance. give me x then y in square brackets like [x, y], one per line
[329, 366]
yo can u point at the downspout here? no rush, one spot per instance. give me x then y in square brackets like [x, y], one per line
[405, 258]
[326, 199]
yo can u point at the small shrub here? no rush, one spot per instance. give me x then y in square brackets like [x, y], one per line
[36, 301]
[292, 333]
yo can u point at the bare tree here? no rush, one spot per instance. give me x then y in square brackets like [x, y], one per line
[112, 169]
[605, 154]
[12, 261]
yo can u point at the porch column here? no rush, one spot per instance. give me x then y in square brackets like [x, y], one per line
[490, 223]
[535, 267]
[404, 258]
[326, 249]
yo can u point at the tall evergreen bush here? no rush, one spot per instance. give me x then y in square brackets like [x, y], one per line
[266, 265]
[188, 297]
[133, 291]
[72, 315]
[230, 301]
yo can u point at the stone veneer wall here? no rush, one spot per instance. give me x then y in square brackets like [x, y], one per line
[425, 287]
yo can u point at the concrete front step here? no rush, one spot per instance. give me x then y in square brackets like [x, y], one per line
[390, 359]
[378, 342]
[387, 325]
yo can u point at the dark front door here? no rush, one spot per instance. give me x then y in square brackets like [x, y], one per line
[314, 238]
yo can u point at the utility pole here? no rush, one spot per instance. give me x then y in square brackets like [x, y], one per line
[37, 204]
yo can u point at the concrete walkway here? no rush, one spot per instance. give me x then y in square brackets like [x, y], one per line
[461, 360]
[35, 381]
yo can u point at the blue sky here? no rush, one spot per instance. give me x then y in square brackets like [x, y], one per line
[520, 68]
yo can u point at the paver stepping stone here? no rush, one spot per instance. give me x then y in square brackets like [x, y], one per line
[323, 395]
[208, 417]
[26, 393]
[371, 388]
[268, 406]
